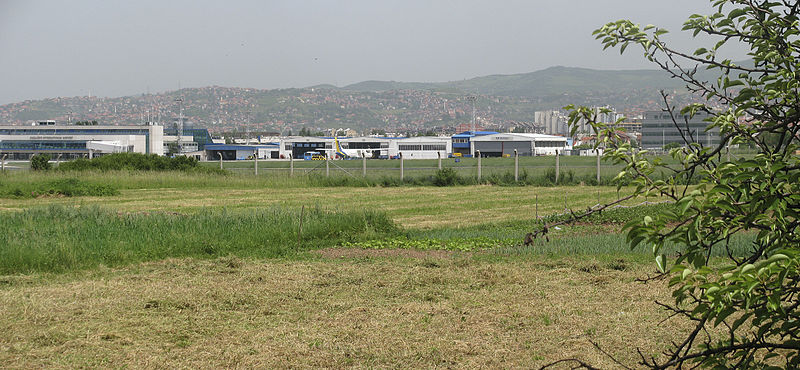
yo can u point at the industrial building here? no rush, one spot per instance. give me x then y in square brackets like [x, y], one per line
[462, 143]
[230, 152]
[498, 145]
[367, 146]
[75, 141]
[658, 129]
[422, 147]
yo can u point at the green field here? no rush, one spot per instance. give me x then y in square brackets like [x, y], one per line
[204, 270]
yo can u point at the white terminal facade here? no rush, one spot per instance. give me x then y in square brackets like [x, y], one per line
[75, 141]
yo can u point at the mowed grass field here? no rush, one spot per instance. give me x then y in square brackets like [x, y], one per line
[321, 305]
[451, 310]
[410, 206]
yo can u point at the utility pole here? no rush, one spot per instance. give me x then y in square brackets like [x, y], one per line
[247, 128]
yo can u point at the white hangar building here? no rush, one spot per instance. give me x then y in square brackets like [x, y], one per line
[498, 145]
[422, 147]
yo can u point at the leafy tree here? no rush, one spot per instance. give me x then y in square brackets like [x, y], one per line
[744, 306]
[172, 148]
[40, 162]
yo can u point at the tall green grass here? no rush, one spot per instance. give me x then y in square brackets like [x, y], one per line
[58, 238]
[56, 186]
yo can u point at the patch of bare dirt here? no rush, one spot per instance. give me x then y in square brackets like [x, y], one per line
[386, 253]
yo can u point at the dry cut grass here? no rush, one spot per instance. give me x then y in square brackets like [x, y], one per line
[365, 311]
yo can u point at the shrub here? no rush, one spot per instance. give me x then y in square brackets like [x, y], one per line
[40, 162]
[137, 162]
[445, 177]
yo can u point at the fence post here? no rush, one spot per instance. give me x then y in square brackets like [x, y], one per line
[439, 154]
[478, 152]
[4, 163]
[597, 151]
[516, 166]
[91, 153]
[364, 165]
[557, 167]
[291, 165]
[401, 166]
[255, 162]
[728, 151]
[220, 160]
[327, 165]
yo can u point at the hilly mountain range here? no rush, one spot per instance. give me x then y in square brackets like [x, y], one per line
[503, 101]
[546, 82]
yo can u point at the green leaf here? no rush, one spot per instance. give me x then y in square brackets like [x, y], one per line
[661, 262]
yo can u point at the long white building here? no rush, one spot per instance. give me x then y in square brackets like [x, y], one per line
[73, 141]
[497, 145]
[422, 147]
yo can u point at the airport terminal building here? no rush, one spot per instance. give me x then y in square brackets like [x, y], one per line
[76, 141]
[658, 130]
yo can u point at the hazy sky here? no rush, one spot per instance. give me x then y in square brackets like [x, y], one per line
[115, 48]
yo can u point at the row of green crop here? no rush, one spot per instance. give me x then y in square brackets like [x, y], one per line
[59, 238]
[59, 186]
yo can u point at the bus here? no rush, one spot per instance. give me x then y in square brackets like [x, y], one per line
[313, 156]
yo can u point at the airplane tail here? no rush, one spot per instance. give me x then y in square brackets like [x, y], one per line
[338, 148]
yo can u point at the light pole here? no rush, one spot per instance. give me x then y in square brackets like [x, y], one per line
[180, 122]
[472, 98]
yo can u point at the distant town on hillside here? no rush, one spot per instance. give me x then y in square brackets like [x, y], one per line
[501, 103]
